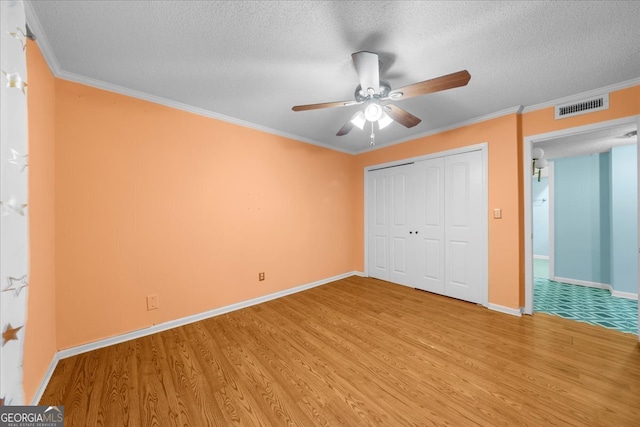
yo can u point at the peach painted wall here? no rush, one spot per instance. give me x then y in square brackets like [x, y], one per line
[153, 200]
[622, 103]
[505, 138]
[40, 339]
[501, 134]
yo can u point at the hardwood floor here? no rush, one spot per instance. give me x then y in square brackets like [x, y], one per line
[358, 352]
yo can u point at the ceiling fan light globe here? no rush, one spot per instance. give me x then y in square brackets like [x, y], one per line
[359, 120]
[384, 121]
[373, 111]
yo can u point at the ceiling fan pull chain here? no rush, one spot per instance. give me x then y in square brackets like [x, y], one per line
[373, 136]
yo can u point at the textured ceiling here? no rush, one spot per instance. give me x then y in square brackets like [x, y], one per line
[588, 143]
[251, 61]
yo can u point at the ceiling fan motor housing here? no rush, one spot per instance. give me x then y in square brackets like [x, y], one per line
[377, 95]
[362, 95]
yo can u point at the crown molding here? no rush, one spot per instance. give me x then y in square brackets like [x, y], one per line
[41, 38]
[582, 95]
[76, 78]
[512, 110]
[54, 66]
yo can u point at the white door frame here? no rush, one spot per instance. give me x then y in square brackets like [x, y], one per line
[483, 148]
[550, 219]
[552, 223]
[526, 159]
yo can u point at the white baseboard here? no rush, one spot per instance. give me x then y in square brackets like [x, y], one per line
[627, 295]
[613, 292]
[45, 380]
[583, 283]
[506, 310]
[74, 351]
[541, 257]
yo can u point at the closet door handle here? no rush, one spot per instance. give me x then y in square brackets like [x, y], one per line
[411, 232]
[416, 231]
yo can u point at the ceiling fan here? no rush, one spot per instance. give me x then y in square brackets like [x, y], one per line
[376, 95]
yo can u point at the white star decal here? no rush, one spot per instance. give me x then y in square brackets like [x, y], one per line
[15, 80]
[18, 160]
[20, 36]
[16, 285]
[12, 206]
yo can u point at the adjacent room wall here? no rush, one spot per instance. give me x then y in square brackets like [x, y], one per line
[596, 218]
[540, 208]
[624, 219]
[40, 338]
[154, 200]
[582, 218]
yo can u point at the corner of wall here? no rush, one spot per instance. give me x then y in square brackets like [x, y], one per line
[41, 328]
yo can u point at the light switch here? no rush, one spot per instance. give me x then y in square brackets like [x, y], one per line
[497, 213]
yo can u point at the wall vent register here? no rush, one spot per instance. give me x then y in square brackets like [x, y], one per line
[597, 103]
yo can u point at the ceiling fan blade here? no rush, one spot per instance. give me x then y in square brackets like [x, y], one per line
[345, 129]
[324, 105]
[356, 120]
[401, 116]
[449, 81]
[368, 70]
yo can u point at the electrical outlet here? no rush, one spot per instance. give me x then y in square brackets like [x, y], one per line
[261, 276]
[497, 213]
[152, 302]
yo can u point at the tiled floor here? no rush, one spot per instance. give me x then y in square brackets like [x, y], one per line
[580, 303]
[584, 304]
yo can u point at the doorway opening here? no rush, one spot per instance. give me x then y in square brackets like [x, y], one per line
[586, 252]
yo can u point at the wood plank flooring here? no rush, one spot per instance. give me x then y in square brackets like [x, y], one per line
[358, 352]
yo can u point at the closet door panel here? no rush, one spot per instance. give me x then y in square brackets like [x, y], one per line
[378, 225]
[429, 225]
[463, 187]
[425, 225]
[400, 220]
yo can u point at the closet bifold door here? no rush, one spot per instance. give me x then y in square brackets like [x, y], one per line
[462, 226]
[424, 224]
[378, 224]
[428, 242]
[401, 232]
